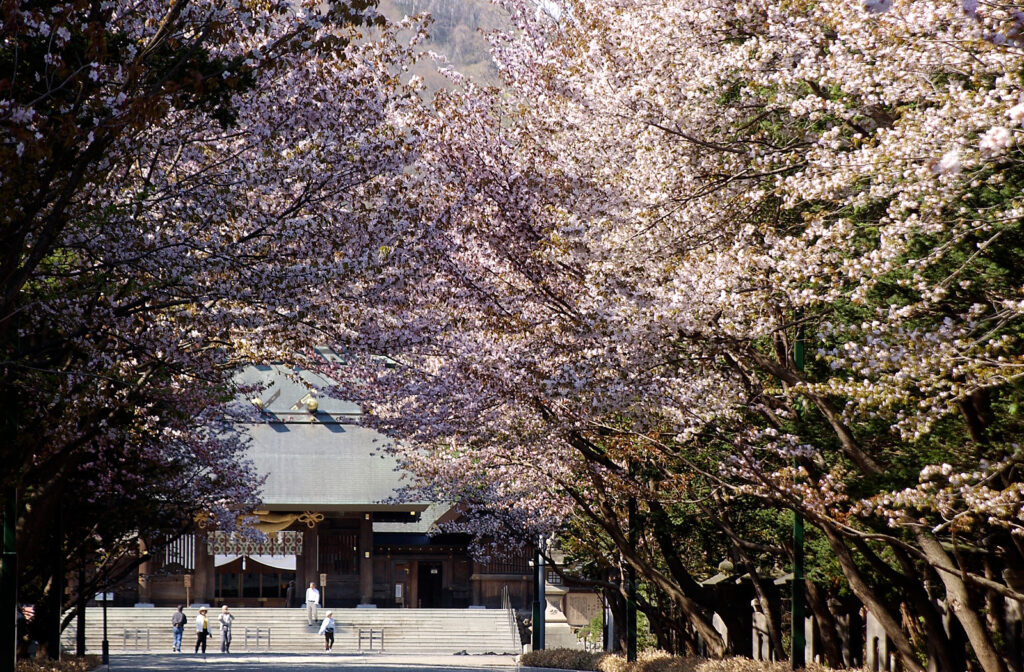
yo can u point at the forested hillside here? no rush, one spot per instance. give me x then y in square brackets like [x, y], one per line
[457, 32]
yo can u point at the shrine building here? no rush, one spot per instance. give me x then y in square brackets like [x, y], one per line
[329, 517]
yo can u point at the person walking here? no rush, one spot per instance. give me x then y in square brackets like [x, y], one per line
[225, 619]
[327, 630]
[178, 621]
[202, 630]
[312, 602]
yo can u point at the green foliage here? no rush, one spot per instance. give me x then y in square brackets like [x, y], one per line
[645, 639]
[592, 634]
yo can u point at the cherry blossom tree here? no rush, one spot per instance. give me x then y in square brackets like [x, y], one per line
[628, 253]
[187, 186]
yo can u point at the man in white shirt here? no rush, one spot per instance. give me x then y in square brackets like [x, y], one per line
[312, 601]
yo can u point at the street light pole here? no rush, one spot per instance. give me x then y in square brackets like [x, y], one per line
[634, 538]
[9, 585]
[80, 607]
[106, 644]
[539, 601]
[608, 631]
[796, 657]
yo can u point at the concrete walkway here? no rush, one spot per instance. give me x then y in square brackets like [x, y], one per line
[322, 662]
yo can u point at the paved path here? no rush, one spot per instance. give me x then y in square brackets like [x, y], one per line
[322, 662]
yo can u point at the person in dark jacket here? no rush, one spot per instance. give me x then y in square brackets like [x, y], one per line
[178, 621]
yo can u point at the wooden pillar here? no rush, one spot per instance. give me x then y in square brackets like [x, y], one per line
[306, 567]
[402, 575]
[145, 568]
[204, 578]
[366, 560]
[414, 584]
[475, 569]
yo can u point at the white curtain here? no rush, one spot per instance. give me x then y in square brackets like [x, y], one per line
[286, 562]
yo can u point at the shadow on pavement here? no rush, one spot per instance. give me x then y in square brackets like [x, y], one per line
[283, 662]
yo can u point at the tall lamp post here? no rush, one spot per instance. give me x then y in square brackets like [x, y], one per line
[608, 631]
[9, 586]
[633, 520]
[106, 644]
[796, 657]
[538, 596]
[634, 539]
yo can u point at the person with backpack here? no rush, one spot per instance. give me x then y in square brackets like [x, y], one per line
[178, 621]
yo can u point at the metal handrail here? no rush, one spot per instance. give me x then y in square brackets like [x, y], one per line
[135, 635]
[255, 635]
[367, 635]
[513, 625]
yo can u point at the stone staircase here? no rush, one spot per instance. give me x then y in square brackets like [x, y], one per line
[413, 631]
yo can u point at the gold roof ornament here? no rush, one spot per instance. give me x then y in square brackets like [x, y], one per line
[311, 518]
[275, 522]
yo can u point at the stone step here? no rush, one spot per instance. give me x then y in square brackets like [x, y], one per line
[404, 630]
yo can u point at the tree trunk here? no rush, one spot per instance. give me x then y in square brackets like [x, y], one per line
[830, 645]
[867, 596]
[909, 582]
[940, 653]
[617, 604]
[656, 619]
[609, 521]
[958, 597]
[663, 534]
[995, 611]
[662, 625]
[45, 627]
[938, 641]
[774, 636]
